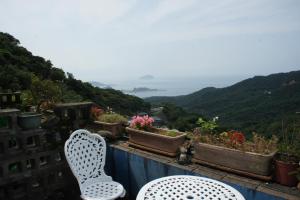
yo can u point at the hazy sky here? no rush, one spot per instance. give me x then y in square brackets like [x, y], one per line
[106, 40]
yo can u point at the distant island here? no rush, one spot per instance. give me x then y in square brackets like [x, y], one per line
[142, 89]
[100, 85]
[147, 77]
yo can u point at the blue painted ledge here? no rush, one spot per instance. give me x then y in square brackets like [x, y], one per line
[134, 168]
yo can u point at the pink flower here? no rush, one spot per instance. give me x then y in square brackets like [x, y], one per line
[139, 122]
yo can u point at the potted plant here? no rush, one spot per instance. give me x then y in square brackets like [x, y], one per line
[112, 122]
[143, 135]
[109, 121]
[29, 120]
[287, 159]
[232, 152]
[43, 94]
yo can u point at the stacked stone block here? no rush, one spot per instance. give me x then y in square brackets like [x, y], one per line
[31, 166]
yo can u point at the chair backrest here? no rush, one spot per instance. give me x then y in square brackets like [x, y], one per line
[85, 153]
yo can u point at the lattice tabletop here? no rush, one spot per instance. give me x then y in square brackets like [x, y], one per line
[187, 188]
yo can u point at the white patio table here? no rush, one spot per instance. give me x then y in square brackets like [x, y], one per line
[186, 188]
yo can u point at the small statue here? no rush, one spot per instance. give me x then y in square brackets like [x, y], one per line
[185, 153]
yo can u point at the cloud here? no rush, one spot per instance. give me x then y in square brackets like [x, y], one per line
[168, 7]
[103, 11]
[107, 35]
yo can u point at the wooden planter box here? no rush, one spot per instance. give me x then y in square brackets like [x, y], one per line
[244, 163]
[117, 129]
[157, 143]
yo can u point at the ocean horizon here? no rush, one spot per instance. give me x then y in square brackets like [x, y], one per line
[168, 86]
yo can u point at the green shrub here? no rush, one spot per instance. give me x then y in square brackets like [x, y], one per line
[170, 133]
[112, 118]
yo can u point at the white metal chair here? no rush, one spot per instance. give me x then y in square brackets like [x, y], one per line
[85, 153]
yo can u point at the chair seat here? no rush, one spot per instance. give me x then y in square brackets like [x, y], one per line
[103, 190]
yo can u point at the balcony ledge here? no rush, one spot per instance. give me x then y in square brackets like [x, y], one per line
[142, 167]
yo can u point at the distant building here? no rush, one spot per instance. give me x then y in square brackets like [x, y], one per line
[158, 121]
[157, 109]
[142, 114]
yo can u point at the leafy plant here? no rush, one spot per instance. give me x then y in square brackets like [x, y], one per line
[262, 145]
[236, 140]
[233, 138]
[45, 93]
[27, 98]
[289, 146]
[112, 118]
[297, 173]
[171, 133]
[207, 126]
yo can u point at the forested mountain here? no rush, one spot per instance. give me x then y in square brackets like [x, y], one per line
[260, 103]
[20, 70]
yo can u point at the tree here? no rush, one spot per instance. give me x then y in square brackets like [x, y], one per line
[45, 92]
[57, 74]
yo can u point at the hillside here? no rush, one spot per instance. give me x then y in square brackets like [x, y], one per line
[21, 71]
[255, 104]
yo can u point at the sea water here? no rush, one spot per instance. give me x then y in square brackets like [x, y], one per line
[174, 86]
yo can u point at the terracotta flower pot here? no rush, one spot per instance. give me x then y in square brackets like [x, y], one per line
[117, 129]
[233, 160]
[282, 170]
[155, 142]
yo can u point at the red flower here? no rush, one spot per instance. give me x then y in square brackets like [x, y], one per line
[237, 138]
[96, 112]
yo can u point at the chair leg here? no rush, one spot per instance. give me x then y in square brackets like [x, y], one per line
[123, 194]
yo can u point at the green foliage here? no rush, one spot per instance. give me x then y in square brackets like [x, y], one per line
[170, 133]
[57, 74]
[236, 140]
[45, 90]
[289, 146]
[18, 67]
[207, 126]
[112, 118]
[297, 173]
[27, 98]
[13, 78]
[254, 105]
[120, 102]
[69, 96]
[177, 118]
